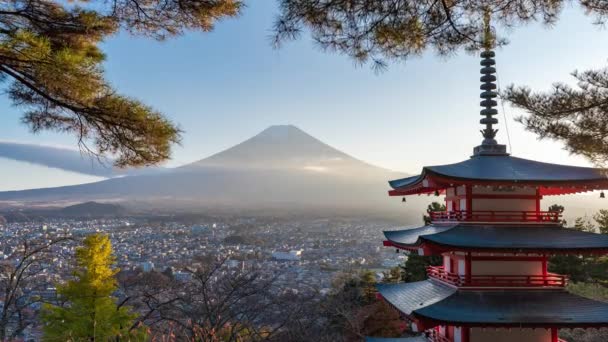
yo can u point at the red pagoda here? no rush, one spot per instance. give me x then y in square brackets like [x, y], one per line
[495, 240]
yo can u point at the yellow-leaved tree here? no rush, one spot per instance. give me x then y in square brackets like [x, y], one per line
[90, 312]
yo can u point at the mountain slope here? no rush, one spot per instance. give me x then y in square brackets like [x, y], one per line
[282, 167]
[284, 147]
[92, 209]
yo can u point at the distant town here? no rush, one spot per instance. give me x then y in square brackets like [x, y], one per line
[306, 253]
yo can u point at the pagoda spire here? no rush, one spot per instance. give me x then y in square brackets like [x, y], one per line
[488, 95]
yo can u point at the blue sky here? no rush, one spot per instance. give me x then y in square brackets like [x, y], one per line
[226, 86]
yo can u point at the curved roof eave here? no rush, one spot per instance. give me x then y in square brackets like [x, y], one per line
[412, 237]
[463, 237]
[488, 169]
[524, 308]
[408, 297]
[405, 182]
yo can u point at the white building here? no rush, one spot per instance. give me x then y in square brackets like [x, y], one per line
[293, 255]
[147, 266]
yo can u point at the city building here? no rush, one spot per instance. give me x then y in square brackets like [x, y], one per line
[293, 255]
[495, 240]
[147, 266]
[199, 229]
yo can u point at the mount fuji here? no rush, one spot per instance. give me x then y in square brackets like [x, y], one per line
[281, 167]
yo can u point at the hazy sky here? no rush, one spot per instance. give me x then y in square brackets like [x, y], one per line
[226, 86]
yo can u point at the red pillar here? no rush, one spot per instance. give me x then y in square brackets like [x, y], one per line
[554, 335]
[465, 334]
[537, 203]
[469, 197]
[467, 268]
[544, 266]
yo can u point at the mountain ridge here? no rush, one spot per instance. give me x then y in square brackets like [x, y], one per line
[273, 148]
[282, 166]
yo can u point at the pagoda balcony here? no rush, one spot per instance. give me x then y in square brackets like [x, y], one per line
[434, 336]
[548, 280]
[496, 216]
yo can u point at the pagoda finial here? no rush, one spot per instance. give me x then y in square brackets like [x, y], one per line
[489, 94]
[488, 86]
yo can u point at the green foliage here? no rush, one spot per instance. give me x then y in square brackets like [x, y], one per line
[601, 218]
[584, 225]
[433, 207]
[575, 116]
[394, 275]
[382, 31]
[414, 268]
[593, 291]
[571, 265]
[367, 282]
[556, 208]
[90, 311]
[358, 287]
[52, 64]
[582, 268]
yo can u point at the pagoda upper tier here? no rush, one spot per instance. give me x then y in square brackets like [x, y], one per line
[503, 170]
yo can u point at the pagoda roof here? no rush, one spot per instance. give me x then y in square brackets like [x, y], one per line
[530, 308]
[409, 297]
[470, 237]
[503, 170]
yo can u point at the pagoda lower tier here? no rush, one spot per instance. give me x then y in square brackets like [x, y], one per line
[448, 313]
[494, 283]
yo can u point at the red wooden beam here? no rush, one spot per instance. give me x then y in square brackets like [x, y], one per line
[439, 182]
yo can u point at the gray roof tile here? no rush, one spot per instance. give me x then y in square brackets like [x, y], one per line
[407, 297]
[503, 237]
[519, 307]
[506, 168]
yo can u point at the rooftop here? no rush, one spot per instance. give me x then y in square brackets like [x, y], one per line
[432, 301]
[551, 179]
[512, 238]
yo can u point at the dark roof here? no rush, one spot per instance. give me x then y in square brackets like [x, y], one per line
[506, 168]
[398, 183]
[420, 338]
[407, 297]
[467, 236]
[519, 307]
[432, 300]
[410, 236]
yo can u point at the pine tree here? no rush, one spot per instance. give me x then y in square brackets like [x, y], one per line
[379, 32]
[90, 311]
[557, 208]
[602, 220]
[584, 225]
[51, 65]
[431, 208]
